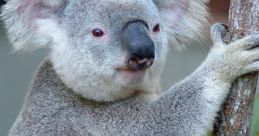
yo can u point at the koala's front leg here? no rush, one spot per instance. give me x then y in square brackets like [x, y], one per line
[190, 107]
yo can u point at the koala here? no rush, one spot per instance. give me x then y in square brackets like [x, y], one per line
[102, 74]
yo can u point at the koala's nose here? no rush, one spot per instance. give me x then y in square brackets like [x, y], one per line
[139, 45]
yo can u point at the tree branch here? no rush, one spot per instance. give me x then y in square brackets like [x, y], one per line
[235, 116]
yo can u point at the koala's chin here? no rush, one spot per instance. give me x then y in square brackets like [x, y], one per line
[131, 78]
[123, 85]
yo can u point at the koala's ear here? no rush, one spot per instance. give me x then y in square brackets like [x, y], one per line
[27, 21]
[183, 19]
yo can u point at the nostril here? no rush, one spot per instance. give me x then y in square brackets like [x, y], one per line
[133, 63]
[136, 63]
[149, 62]
[145, 63]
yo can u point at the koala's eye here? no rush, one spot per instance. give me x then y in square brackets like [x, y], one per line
[97, 33]
[156, 28]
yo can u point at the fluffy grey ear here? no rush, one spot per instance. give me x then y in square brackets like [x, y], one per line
[183, 19]
[25, 19]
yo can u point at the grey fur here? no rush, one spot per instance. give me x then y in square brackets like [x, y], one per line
[77, 92]
[53, 109]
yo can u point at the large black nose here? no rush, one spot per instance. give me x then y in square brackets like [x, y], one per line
[139, 45]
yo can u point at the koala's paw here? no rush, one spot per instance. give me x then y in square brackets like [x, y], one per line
[237, 58]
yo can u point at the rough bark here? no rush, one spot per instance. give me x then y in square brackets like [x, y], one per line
[235, 116]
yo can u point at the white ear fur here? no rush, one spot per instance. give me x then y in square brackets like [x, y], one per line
[20, 18]
[183, 19]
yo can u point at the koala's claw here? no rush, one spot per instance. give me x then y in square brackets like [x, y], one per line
[247, 43]
[251, 68]
[218, 32]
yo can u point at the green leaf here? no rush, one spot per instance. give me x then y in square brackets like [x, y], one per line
[255, 119]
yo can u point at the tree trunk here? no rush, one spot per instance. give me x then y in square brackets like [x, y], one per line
[236, 114]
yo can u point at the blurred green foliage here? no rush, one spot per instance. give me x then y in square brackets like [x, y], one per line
[255, 120]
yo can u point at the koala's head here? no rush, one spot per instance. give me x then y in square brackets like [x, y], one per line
[105, 49]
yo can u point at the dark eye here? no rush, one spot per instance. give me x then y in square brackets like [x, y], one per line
[97, 33]
[156, 28]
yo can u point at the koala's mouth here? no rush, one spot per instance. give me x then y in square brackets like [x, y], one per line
[131, 76]
[125, 69]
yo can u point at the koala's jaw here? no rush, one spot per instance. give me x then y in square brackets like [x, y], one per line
[101, 82]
